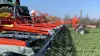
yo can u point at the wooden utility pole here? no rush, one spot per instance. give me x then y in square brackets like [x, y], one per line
[81, 14]
[87, 16]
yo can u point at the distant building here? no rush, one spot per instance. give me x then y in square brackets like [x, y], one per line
[90, 26]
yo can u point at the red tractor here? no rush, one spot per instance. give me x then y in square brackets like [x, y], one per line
[79, 28]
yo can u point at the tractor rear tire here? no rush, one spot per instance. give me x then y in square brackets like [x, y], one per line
[81, 31]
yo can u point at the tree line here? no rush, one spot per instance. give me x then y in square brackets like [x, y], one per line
[85, 20]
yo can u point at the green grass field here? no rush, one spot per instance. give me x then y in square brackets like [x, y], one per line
[87, 44]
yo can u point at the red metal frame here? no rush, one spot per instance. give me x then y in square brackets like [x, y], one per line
[4, 41]
[40, 28]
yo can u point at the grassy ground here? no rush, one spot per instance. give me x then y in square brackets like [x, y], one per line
[87, 44]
